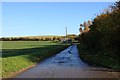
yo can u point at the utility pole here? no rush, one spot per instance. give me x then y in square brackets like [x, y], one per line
[66, 31]
[66, 35]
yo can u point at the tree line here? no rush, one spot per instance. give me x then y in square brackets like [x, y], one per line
[102, 35]
[39, 38]
[31, 38]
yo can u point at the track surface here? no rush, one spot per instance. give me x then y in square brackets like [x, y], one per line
[66, 64]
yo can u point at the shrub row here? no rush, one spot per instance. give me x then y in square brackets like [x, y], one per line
[103, 37]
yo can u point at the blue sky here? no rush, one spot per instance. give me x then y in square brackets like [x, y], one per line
[47, 18]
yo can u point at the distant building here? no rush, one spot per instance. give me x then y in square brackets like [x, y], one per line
[66, 40]
[68, 37]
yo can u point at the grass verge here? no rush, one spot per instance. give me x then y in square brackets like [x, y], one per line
[98, 59]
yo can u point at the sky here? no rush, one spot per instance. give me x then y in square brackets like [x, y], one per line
[47, 18]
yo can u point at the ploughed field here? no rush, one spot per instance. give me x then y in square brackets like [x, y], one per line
[18, 55]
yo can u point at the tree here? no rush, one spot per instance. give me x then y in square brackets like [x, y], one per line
[102, 36]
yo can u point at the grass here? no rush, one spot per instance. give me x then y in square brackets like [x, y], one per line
[17, 55]
[25, 44]
[98, 59]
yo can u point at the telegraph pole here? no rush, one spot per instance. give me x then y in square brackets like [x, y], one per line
[66, 31]
[66, 35]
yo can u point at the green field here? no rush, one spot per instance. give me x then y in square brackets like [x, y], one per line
[17, 55]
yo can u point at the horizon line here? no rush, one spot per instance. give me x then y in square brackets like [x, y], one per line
[34, 35]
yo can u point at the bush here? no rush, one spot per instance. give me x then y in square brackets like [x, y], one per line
[103, 37]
